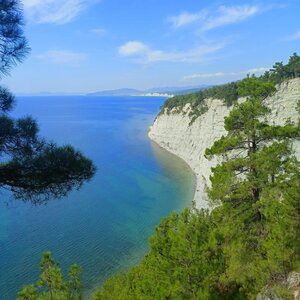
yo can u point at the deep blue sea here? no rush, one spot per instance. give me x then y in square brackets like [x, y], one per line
[105, 226]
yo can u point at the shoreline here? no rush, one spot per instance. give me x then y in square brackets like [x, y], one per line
[154, 95]
[197, 197]
[174, 133]
[195, 185]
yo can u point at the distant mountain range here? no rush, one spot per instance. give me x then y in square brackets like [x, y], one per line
[148, 92]
[117, 92]
[159, 91]
[45, 94]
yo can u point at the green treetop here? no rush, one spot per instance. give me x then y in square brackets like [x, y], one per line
[30, 167]
[256, 191]
[51, 284]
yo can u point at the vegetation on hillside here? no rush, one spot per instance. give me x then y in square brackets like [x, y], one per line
[281, 71]
[229, 93]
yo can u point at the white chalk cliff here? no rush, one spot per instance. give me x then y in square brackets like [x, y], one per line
[174, 133]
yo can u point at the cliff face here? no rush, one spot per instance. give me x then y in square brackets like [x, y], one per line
[174, 133]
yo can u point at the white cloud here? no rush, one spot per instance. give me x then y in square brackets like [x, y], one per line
[63, 57]
[133, 48]
[295, 36]
[144, 54]
[210, 19]
[204, 75]
[256, 71]
[230, 15]
[55, 11]
[186, 18]
[99, 31]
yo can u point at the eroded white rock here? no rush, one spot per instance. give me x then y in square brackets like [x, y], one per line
[174, 133]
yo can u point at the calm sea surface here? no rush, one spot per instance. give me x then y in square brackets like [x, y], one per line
[105, 226]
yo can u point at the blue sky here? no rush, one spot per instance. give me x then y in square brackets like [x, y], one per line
[81, 46]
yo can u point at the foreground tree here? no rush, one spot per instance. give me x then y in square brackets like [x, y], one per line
[13, 44]
[183, 263]
[51, 284]
[256, 192]
[30, 167]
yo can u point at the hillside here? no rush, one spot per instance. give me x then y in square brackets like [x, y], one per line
[188, 124]
[173, 130]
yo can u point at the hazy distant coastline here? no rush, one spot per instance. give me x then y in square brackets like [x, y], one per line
[153, 92]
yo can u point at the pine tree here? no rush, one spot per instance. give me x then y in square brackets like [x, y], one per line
[294, 65]
[31, 168]
[51, 284]
[251, 188]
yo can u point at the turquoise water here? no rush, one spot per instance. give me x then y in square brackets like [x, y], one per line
[105, 226]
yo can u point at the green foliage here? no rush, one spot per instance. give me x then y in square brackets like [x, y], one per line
[13, 44]
[227, 92]
[281, 72]
[252, 187]
[51, 284]
[31, 168]
[183, 263]
[255, 87]
[230, 92]
[51, 172]
[28, 292]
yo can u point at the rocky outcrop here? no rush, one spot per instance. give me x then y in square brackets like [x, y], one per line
[173, 131]
[291, 284]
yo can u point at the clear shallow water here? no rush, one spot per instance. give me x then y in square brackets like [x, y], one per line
[105, 226]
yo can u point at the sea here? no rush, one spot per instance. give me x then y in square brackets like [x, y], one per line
[105, 226]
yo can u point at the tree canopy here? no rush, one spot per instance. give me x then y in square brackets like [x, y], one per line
[30, 167]
[13, 44]
[52, 285]
[230, 92]
[281, 71]
[256, 192]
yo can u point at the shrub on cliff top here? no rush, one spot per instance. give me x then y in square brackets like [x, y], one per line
[229, 93]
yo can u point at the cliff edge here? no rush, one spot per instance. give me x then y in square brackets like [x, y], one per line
[174, 131]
